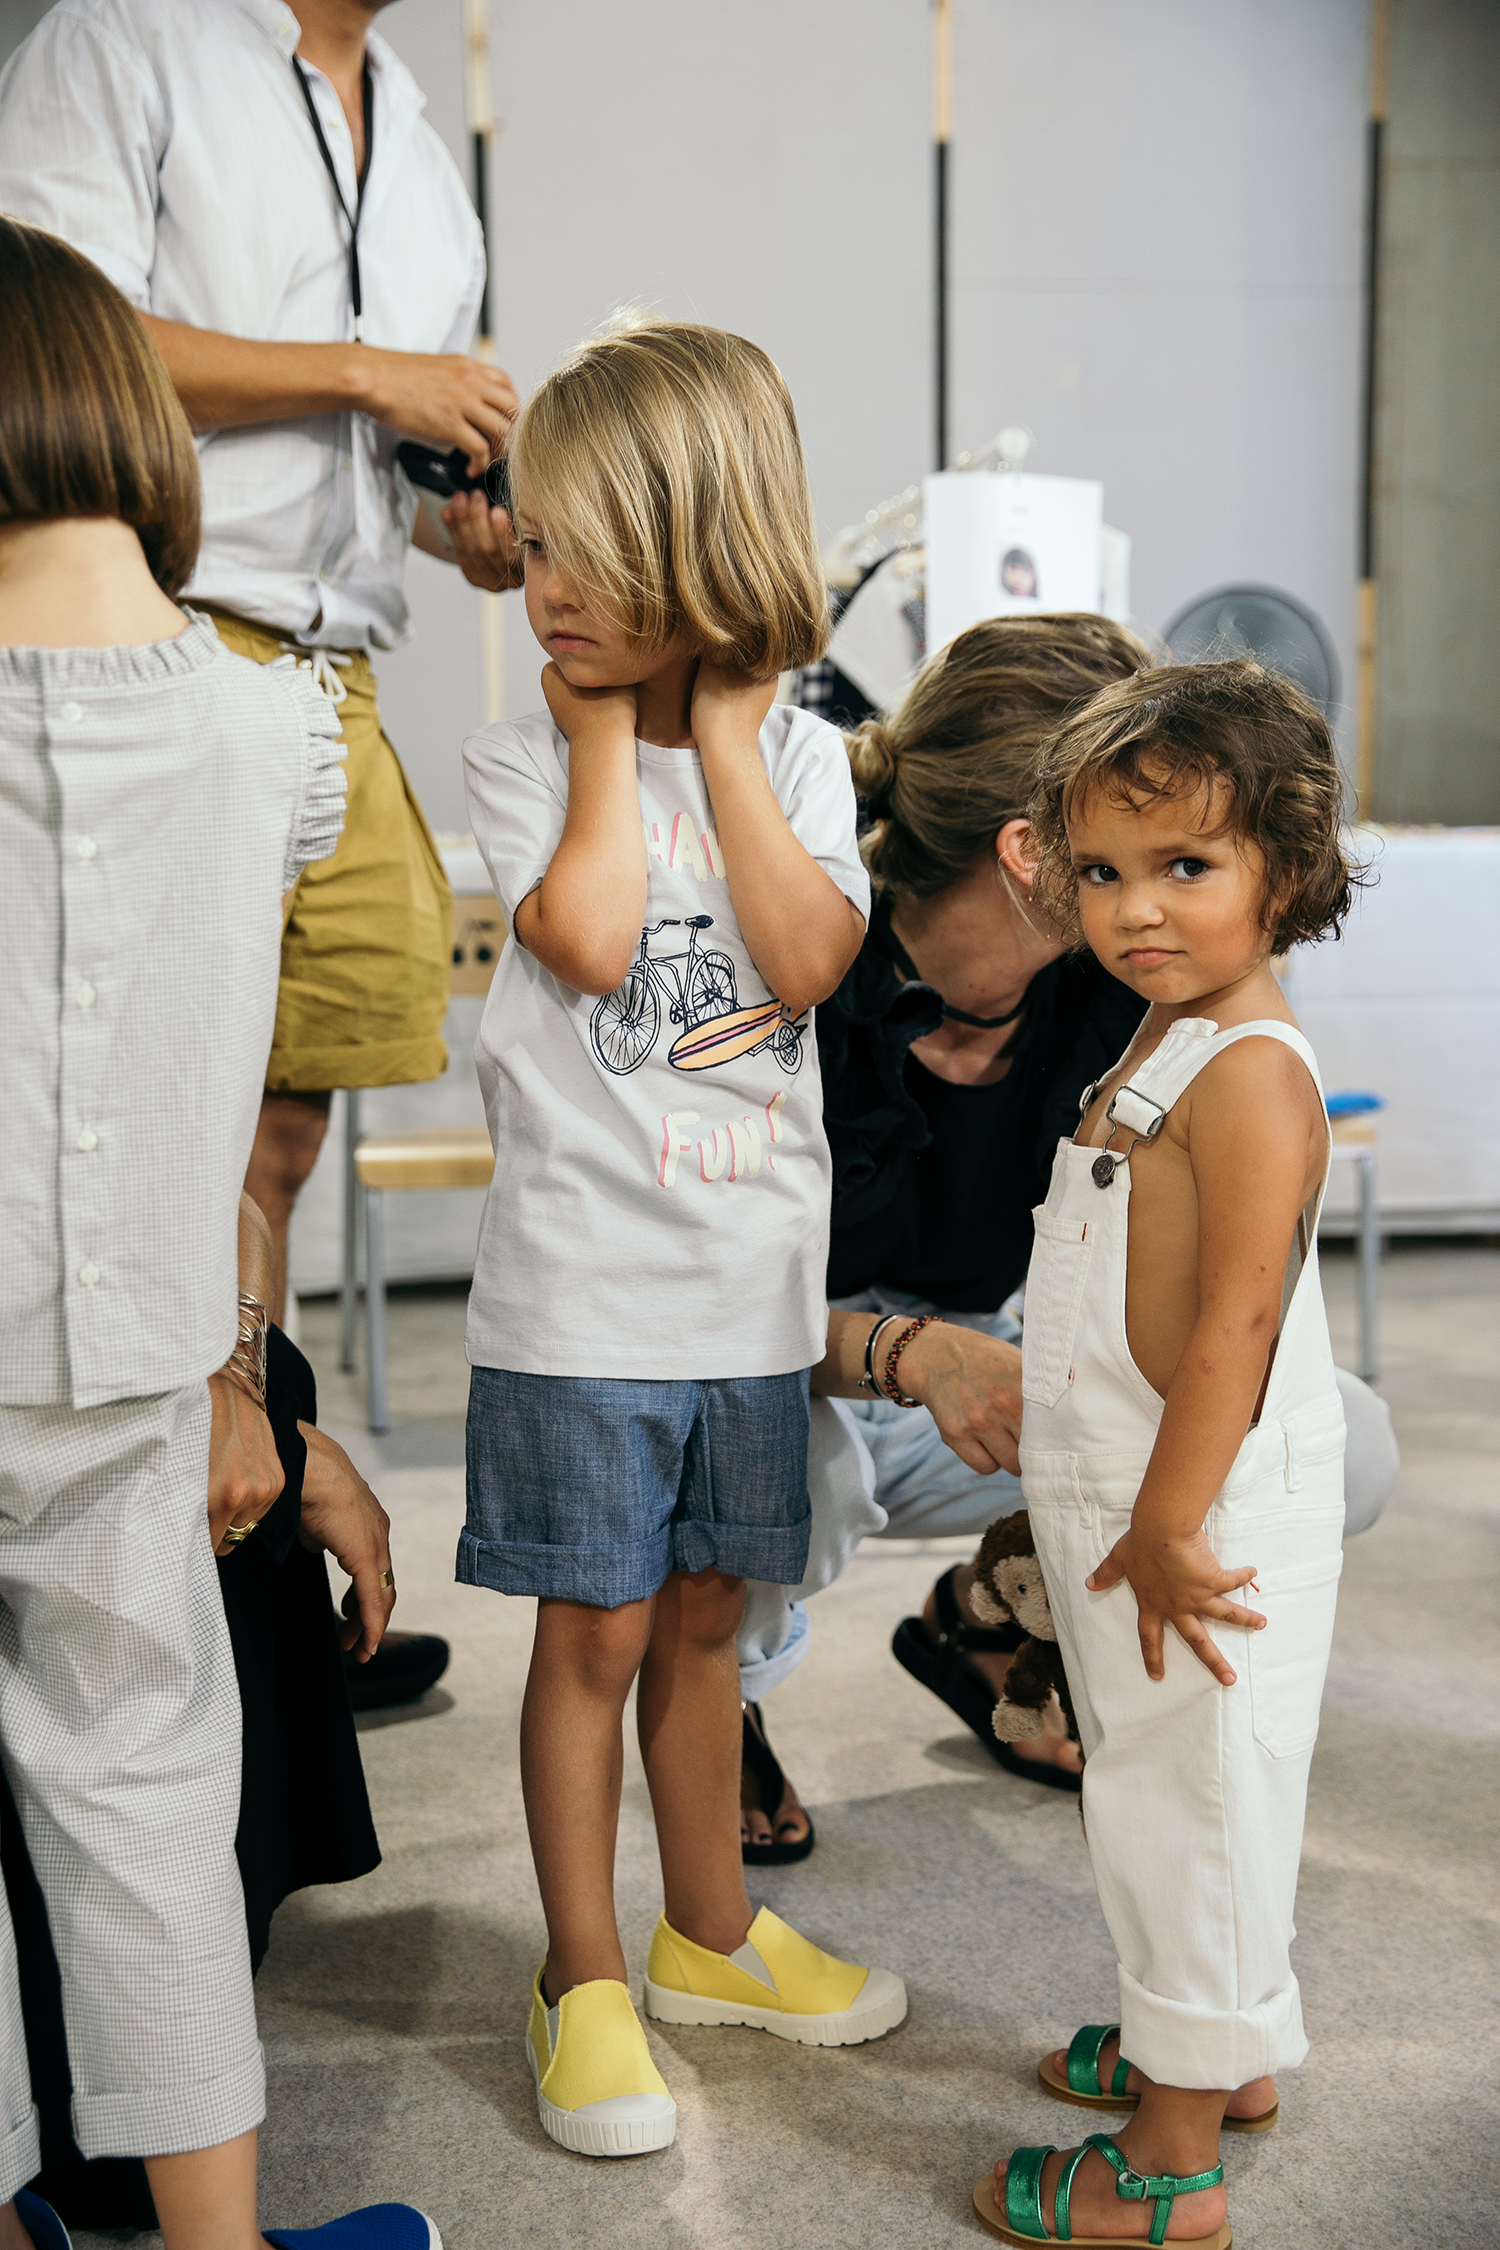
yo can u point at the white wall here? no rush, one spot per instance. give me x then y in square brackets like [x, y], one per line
[1157, 219]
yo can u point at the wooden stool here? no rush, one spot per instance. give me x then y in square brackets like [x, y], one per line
[381, 1164]
[1354, 1138]
[438, 1157]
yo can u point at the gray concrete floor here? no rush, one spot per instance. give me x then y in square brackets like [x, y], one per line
[393, 2010]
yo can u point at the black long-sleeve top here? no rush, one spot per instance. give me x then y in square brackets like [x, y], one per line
[934, 1184]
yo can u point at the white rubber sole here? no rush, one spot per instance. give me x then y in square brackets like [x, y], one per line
[878, 2008]
[629, 2125]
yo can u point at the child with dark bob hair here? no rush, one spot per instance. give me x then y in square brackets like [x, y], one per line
[1182, 1442]
[158, 799]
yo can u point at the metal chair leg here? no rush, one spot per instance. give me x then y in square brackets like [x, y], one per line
[1369, 1267]
[349, 1279]
[375, 1375]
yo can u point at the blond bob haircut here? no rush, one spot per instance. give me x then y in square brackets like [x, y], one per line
[89, 422]
[956, 759]
[661, 464]
[1231, 735]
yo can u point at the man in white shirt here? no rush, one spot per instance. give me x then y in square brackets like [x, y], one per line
[259, 181]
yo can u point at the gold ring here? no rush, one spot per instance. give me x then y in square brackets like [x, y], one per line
[237, 1532]
[386, 1580]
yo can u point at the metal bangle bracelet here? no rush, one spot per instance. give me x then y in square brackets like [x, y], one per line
[867, 1381]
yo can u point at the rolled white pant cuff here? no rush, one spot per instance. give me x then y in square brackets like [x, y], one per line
[761, 1672]
[172, 2120]
[20, 2156]
[1180, 2044]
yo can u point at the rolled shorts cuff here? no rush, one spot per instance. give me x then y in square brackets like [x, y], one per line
[20, 2155]
[322, 1070]
[608, 1577]
[1180, 2044]
[173, 2120]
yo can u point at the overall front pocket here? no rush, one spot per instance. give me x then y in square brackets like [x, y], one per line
[1054, 1292]
[1288, 1661]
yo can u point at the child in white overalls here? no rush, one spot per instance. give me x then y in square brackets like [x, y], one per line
[1183, 1436]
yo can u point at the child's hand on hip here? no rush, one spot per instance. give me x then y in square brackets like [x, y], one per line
[1176, 1581]
[589, 713]
[729, 708]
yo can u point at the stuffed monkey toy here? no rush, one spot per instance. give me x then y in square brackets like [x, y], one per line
[1008, 1584]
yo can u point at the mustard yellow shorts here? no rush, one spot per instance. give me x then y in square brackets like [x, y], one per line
[368, 947]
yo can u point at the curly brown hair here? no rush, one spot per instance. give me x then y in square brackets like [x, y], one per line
[944, 770]
[1176, 732]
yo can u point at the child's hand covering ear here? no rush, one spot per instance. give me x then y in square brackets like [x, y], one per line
[729, 708]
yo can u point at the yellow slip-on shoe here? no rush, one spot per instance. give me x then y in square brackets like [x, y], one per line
[776, 1981]
[597, 2089]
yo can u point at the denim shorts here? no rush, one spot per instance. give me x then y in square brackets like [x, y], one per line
[587, 1490]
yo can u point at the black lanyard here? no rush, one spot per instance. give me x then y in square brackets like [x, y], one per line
[368, 88]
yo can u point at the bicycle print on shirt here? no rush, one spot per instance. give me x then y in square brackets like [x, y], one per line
[698, 989]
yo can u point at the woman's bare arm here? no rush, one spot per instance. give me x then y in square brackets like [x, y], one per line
[244, 1469]
[970, 1383]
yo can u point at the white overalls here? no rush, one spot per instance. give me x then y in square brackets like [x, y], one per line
[1193, 1794]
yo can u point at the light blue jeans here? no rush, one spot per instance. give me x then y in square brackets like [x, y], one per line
[883, 1472]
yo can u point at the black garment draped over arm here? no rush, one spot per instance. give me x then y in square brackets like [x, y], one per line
[934, 1184]
[304, 1813]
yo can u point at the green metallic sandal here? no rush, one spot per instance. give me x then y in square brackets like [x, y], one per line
[1023, 2222]
[1084, 2087]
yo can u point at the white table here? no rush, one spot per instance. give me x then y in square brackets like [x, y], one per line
[1407, 1006]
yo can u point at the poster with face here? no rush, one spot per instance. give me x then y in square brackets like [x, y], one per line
[1004, 546]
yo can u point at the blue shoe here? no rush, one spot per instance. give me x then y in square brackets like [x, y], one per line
[41, 2222]
[380, 2226]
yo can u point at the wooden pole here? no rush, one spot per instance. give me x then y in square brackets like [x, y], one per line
[479, 105]
[942, 134]
[1366, 703]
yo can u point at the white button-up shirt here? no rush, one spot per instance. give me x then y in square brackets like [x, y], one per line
[169, 141]
[155, 803]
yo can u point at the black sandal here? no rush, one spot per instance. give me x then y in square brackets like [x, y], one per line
[941, 1665]
[770, 1783]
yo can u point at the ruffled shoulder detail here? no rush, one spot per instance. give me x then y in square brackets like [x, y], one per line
[320, 815]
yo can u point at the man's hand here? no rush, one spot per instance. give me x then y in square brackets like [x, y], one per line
[1178, 1582]
[445, 398]
[729, 710]
[244, 1468]
[971, 1385]
[341, 1515]
[485, 546]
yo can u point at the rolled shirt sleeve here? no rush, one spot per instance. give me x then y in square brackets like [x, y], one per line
[83, 129]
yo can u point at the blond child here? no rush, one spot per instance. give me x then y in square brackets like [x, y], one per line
[677, 859]
[1182, 1442]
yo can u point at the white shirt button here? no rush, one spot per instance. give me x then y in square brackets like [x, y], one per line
[89, 1276]
[87, 1139]
[70, 713]
[85, 996]
[86, 847]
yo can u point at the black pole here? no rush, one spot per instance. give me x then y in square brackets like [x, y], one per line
[1371, 343]
[940, 305]
[478, 142]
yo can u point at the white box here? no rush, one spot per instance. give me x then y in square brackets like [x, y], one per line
[1008, 546]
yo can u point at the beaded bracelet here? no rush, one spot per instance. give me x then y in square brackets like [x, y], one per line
[890, 1387]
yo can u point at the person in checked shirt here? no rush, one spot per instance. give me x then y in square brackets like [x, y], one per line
[158, 797]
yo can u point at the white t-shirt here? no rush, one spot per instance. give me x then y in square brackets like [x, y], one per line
[660, 1204]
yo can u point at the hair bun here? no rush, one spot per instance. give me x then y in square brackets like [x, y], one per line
[872, 760]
